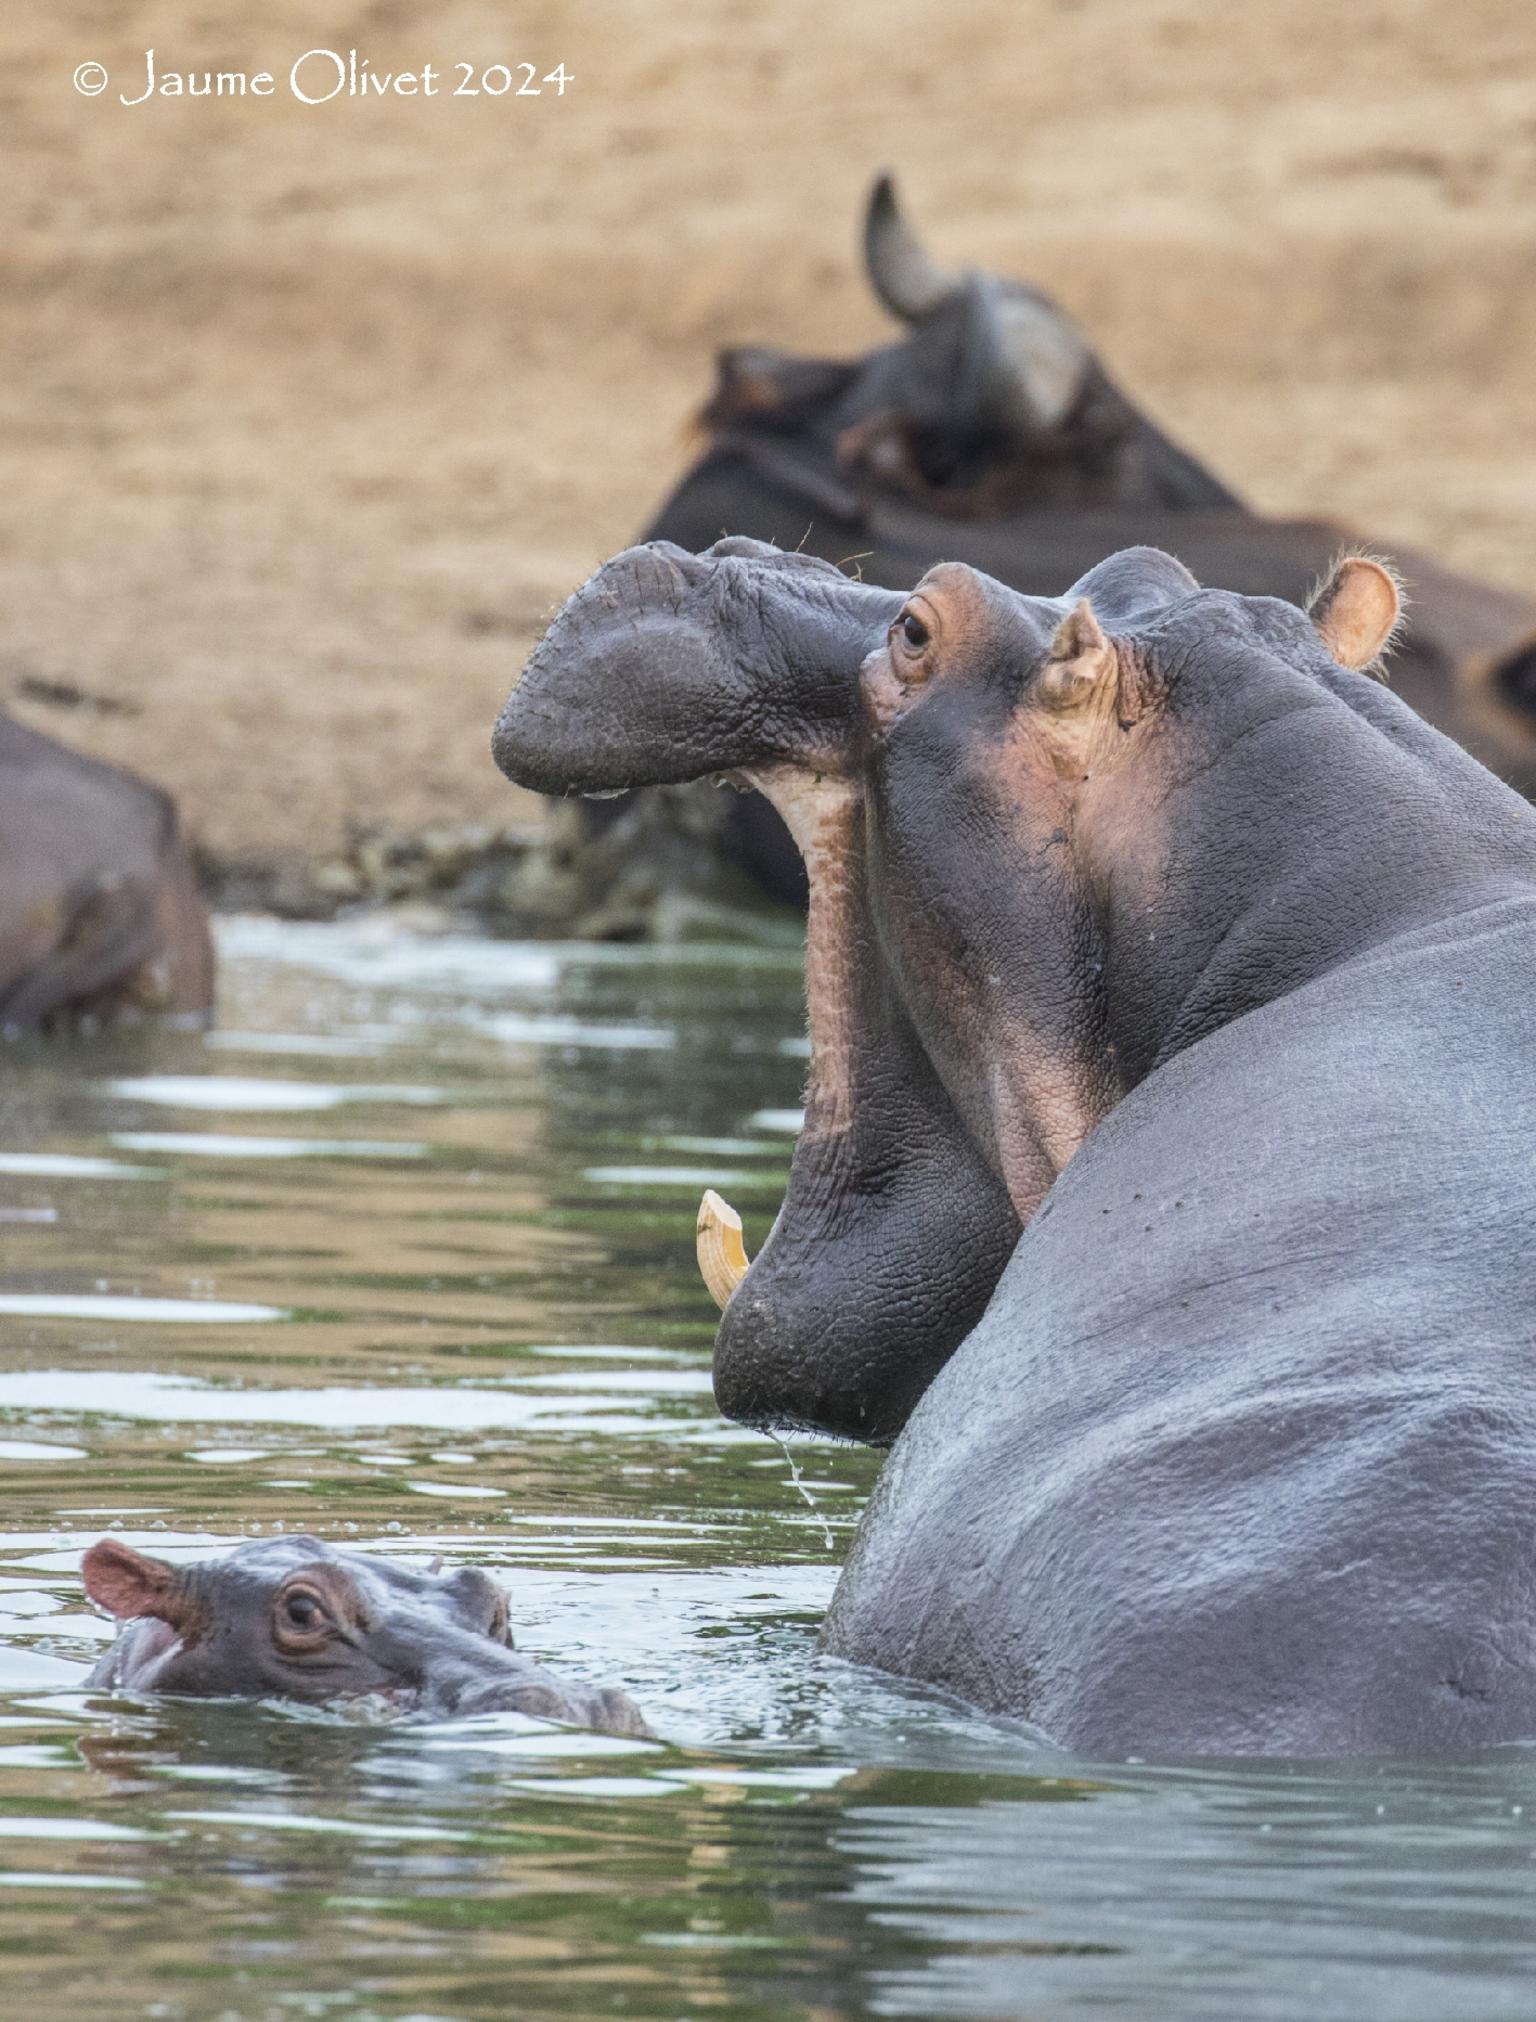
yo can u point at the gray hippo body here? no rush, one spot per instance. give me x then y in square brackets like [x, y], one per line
[1242, 1455]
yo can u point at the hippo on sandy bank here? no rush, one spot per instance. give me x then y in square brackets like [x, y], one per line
[292, 1618]
[100, 913]
[1167, 1179]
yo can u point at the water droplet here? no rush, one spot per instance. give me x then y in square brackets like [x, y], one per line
[805, 1494]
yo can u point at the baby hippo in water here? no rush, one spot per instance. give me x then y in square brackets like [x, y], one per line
[292, 1618]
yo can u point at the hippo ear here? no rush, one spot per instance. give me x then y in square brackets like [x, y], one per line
[1081, 662]
[1357, 611]
[126, 1583]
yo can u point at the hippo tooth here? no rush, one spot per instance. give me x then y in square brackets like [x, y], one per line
[722, 1254]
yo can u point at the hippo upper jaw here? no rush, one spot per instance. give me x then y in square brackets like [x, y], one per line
[668, 667]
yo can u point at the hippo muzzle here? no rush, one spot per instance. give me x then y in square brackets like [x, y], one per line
[668, 666]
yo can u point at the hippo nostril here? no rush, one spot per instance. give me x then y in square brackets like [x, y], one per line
[656, 569]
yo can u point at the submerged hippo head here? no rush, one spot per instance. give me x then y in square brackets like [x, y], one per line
[292, 1618]
[1050, 841]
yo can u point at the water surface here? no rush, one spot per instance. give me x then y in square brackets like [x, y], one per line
[402, 1256]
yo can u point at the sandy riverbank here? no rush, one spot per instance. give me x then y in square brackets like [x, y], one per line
[312, 413]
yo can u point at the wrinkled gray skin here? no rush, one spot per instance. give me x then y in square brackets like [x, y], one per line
[292, 1618]
[1228, 995]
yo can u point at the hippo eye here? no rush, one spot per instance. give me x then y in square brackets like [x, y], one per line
[914, 631]
[303, 1611]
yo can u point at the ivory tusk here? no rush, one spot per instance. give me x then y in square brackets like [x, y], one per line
[722, 1254]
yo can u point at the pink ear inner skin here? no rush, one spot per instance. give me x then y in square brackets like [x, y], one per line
[124, 1582]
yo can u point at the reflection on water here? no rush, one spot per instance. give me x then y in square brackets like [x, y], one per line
[467, 1322]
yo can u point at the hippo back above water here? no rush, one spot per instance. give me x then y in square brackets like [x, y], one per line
[1148, 923]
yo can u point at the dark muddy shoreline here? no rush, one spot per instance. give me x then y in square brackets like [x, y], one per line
[656, 873]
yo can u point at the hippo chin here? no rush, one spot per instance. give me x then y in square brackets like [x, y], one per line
[1166, 1181]
[292, 1618]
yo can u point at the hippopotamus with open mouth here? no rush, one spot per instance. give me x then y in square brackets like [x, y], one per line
[292, 1618]
[1166, 1181]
